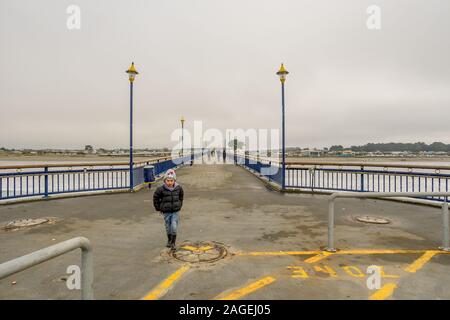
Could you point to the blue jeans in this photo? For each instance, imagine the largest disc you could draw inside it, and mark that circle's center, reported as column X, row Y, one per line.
column 171, row 221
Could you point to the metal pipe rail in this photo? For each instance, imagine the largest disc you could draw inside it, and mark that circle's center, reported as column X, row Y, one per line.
column 444, row 208
column 321, row 163
column 27, row 261
column 367, row 164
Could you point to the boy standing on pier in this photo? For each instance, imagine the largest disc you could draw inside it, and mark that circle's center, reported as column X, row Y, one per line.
column 168, row 199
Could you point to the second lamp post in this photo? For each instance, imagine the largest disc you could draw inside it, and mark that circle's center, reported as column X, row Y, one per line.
column 131, row 75
column 282, row 73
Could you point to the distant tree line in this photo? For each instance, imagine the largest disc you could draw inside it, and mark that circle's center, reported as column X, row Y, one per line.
column 394, row 146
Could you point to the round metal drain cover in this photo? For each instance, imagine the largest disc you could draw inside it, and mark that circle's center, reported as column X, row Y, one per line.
column 24, row 223
column 374, row 220
column 200, row 251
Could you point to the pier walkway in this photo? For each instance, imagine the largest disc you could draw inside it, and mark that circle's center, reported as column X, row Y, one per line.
column 273, row 244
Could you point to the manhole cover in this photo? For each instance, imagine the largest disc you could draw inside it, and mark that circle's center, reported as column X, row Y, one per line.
column 201, row 251
column 374, row 220
column 24, row 223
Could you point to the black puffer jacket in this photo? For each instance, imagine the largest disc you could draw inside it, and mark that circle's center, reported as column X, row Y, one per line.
column 165, row 200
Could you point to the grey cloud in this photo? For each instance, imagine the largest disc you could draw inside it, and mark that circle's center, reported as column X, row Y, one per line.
column 215, row 61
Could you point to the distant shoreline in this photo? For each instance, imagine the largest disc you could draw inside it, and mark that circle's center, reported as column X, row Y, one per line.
column 49, row 157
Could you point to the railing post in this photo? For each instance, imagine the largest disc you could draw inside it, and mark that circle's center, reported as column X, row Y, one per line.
column 330, row 247
column 445, row 222
column 87, row 274
column 46, row 182
column 312, row 178
column 270, row 166
column 362, row 179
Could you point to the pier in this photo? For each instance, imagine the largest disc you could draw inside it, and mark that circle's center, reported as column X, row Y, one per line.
column 256, row 243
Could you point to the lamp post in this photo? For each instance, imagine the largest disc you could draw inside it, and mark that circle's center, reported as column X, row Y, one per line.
column 182, row 120
column 131, row 75
column 282, row 73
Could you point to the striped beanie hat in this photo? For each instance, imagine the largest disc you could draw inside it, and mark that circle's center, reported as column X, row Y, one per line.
column 170, row 174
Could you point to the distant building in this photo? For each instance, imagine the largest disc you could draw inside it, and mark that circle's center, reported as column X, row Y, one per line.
column 311, row 153
column 346, row 153
column 88, row 149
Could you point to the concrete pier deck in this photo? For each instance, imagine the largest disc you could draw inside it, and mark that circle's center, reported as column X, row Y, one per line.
column 273, row 242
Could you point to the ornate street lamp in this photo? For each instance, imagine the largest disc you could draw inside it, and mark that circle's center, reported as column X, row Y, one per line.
column 282, row 73
column 132, row 72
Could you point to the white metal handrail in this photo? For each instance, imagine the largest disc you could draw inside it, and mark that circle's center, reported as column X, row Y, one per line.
column 27, row 261
column 445, row 214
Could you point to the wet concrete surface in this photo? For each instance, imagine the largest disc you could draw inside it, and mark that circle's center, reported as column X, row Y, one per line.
column 226, row 204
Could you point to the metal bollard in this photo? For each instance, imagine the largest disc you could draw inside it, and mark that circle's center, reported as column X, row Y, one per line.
column 445, row 222
column 330, row 247
column 45, row 182
column 87, row 273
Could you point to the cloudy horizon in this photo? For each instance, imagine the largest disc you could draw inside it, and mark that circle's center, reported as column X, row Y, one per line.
column 215, row 61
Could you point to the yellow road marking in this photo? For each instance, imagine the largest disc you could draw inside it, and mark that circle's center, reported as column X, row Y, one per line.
column 420, row 262
column 379, row 251
column 189, row 248
column 205, row 248
column 164, row 286
column 239, row 293
column 327, row 270
column 318, row 257
column 298, row 272
column 341, row 252
column 278, row 253
column 194, row 249
column 384, row 292
column 354, row 271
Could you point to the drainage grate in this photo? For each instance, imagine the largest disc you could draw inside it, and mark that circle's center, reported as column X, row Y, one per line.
column 200, row 251
column 25, row 223
column 373, row 220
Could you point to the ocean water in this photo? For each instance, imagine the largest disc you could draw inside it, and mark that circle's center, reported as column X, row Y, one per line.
column 390, row 180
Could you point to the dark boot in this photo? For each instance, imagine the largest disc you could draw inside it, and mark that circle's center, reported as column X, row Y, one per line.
column 169, row 241
column 172, row 243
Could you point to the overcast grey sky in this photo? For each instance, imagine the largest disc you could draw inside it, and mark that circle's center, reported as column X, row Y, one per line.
column 215, row 61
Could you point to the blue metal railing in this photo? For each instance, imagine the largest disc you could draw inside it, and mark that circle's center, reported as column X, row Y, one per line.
column 265, row 168
column 356, row 177
column 391, row 179
column 46, row 180
column 162, row 166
